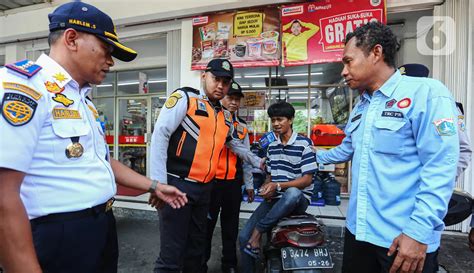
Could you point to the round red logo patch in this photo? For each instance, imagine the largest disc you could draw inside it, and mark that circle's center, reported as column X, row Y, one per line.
column 404, row 103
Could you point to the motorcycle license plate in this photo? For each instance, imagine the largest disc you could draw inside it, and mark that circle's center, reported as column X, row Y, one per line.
column 303, row 258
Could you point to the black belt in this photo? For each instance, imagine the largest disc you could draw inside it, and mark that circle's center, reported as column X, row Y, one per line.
column 65, row 216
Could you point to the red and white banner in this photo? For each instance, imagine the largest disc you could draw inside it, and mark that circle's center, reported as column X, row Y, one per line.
column 314, row 32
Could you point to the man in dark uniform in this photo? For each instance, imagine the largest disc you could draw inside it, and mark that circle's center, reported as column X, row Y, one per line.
column 189, row 135
column 55, row 168
column 226, row 192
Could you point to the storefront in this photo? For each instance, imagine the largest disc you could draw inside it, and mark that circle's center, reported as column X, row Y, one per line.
column 130, row 98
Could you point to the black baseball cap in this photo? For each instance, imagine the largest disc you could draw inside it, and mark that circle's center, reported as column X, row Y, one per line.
column 220, row 68
column 414, row 70
column 87, row 18
column 235, row 89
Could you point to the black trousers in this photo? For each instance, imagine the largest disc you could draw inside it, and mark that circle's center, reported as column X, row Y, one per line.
column 225, row 199
column 77, row 245
column 183, row 231
column 363, row 257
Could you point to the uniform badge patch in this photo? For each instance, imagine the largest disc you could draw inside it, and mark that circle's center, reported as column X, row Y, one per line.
column 226, row 65
column 53, row 87
column 22, row 88
column 445, row 127
column 63, row 113
column 461, row 124
column 228, row 116
column 25, row 67
column 172, row 100
column 18, row 109
column 392, row 114
column 404, row 103
column 63, row 100
column 60, row 77
column 240, row 128
column 390, row 103
column 201, row 106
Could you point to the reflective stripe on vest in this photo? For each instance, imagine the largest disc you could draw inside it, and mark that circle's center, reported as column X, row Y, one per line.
column 194, row 147
column 228, row 160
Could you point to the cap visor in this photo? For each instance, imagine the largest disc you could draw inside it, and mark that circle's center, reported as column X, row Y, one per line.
column 235, row 93
column 222, row 74
column 120, row 52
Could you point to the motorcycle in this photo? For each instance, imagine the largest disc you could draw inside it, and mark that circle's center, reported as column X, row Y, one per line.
column 297, row 245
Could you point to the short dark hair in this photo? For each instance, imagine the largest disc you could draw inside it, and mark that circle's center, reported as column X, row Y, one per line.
column 54, row 36
column 375, row 33
column 281, row 109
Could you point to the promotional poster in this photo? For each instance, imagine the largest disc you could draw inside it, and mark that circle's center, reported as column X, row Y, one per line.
column 246, row 39
column 314, row 32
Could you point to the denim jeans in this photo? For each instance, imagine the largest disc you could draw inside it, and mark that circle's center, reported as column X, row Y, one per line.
column 266, row 216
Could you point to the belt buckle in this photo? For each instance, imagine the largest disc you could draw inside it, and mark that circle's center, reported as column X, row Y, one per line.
column 109, row 204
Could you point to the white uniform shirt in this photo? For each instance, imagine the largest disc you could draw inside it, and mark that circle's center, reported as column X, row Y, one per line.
column 53, row 182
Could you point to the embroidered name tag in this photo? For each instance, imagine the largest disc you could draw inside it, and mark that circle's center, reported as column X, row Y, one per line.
column 62, row 113
column 392, row 114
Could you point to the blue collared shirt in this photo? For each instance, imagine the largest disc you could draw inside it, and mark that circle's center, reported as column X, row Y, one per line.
column 404, row 147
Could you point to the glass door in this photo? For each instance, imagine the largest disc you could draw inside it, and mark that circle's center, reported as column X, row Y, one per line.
column 135, row 123
column 132, row 129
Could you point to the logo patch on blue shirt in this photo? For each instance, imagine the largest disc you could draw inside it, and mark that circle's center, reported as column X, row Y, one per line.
column 392, row 114
column 445, row 127
column 390, row 103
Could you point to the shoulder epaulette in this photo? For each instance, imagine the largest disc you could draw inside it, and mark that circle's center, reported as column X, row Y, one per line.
column 187, row 89
column 25, row 67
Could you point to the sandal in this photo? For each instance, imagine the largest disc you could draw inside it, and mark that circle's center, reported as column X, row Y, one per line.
column 253, row 252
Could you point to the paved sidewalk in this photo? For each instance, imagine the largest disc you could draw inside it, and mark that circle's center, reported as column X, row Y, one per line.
column 139, row 244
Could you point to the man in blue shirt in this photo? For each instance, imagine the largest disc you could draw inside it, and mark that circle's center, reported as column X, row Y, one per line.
column 287, row 190
column 403, row 143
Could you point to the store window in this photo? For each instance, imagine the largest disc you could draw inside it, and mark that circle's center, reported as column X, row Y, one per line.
column 106, row 88
column 141, row 82
column 321, row 100
column 316, row 92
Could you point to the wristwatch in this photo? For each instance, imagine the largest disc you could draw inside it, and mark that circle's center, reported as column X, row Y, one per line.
column 153, row 185
column 278, row 187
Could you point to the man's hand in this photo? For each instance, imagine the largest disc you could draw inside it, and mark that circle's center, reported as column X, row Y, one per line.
column 171, row 196
column 251, row 195
column 268, row 190
column 471, row 239
column 410, row 255
column 155, row 202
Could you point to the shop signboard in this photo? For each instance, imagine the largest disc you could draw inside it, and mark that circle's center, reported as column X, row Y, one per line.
column 245, row 38
column 131, row 139
column 254, row 99
column 314, row 32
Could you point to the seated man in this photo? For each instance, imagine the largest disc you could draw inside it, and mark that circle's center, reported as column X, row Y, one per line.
column 287, row 190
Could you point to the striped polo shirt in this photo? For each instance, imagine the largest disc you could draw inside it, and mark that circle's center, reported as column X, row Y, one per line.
column 293, row 160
